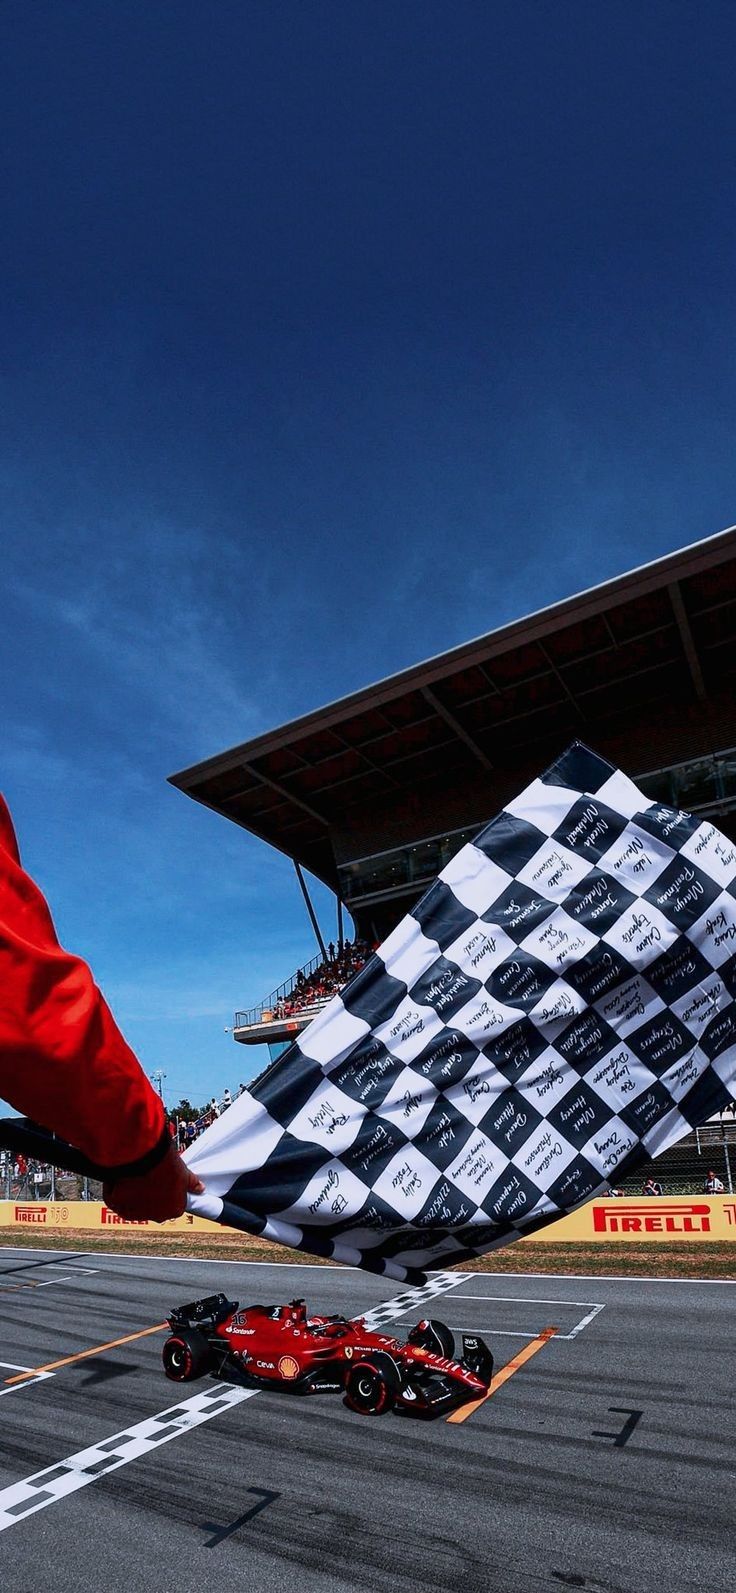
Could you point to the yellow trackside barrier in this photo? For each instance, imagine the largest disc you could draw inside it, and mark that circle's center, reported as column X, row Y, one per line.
column 659, row 1219
column 656, row 1218
column 38, row 1214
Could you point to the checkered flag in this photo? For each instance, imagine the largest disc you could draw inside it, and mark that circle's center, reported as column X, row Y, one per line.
column 558, row 1008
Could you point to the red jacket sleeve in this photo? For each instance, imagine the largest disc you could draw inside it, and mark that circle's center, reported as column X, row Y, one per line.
column 63, row 1060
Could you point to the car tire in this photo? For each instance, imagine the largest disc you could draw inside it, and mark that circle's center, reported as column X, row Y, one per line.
column 186, row 1356
column 372, row 1384
column 433, row 1336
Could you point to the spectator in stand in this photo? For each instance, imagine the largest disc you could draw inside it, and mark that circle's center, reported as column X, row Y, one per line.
column 325, row 980
column 712, row 1185
column 64, row 1062
column 226, row 1101
column 651, row 1187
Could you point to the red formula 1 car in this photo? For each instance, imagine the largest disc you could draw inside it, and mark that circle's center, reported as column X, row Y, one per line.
column 266, row 1346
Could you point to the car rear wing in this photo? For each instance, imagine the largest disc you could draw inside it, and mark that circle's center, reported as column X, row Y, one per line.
column 200, row 1313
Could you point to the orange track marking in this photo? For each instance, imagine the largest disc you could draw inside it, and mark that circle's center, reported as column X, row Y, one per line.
column 83, row 1355
column 505, row 1373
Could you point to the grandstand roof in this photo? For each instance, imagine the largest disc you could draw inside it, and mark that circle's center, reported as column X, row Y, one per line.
column 664, row 633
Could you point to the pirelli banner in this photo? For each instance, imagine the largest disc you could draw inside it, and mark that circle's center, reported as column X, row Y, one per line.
column 86, row 1214
column 657, row 1219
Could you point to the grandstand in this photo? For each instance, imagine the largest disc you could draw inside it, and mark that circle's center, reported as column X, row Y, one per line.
column 374, row 793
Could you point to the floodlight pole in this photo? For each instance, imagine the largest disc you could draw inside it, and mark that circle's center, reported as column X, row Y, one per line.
column 310, row 909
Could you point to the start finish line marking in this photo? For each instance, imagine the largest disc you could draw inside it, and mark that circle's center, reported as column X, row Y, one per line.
column 55, row 1482
column 77, row 1471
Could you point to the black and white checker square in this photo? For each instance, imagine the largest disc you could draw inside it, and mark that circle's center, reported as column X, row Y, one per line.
column 554, row 871
column 580, row 1114
column 445, row 1133
column 510, row 1121
column 478, row 950
column 520, row 981
column 479, row 1168
column 367, row 1074
column 678, row 970
column 714, row 931
column 446, row 1060
column 483, row 1018
column 409, row 1030
column 682, row 893
column 474, row 881
column 712, row 853
column 334, row 1191
column 590, row 827
column 545, row 1156
column 446, row 987
column 620, row 1077
column 545, row 1081
column 559, row 941
column 584, row 1041
column 667, row 824
column 636, row 859
column 407, row 1182
column 631, row 1003
column 408, row 1103
column 598, row 901
column 514, row 1050
column 515, row 913
column 329, row 1118
column 376, row 1144
column 642, row 933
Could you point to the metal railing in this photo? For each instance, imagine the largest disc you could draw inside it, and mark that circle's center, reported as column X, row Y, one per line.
column 243, row 1020
column 270, row 1015
column 45, row 1183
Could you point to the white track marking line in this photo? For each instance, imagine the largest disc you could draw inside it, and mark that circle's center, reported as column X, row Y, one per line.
column 22, row 1499
column 527, row 1299
column 523, row 1299
column 583, row 1323
column 69, row 1278
column 34, row 1493
column 24, row 1284
column 12, row 1366
column 516, row 1333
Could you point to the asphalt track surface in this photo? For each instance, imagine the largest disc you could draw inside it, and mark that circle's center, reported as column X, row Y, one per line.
column 606, row 1461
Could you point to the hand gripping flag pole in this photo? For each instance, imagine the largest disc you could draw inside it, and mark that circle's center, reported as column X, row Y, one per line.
column 556, row 1010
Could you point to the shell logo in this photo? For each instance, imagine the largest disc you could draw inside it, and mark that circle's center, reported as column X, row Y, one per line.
column 288, row 1367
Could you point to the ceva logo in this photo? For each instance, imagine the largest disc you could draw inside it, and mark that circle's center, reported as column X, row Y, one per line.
column 32, row 1213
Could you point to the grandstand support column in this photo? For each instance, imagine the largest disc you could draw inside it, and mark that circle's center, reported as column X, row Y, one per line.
column 310, row 909
column 340, row 935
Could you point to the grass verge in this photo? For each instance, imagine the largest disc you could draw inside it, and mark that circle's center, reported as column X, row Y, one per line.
column 625, row 1259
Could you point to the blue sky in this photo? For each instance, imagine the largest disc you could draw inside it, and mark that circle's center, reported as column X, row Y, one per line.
column 332, row 335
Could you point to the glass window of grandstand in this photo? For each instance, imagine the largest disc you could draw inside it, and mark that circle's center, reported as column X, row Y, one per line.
column 697, row 784
column 405, row 865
